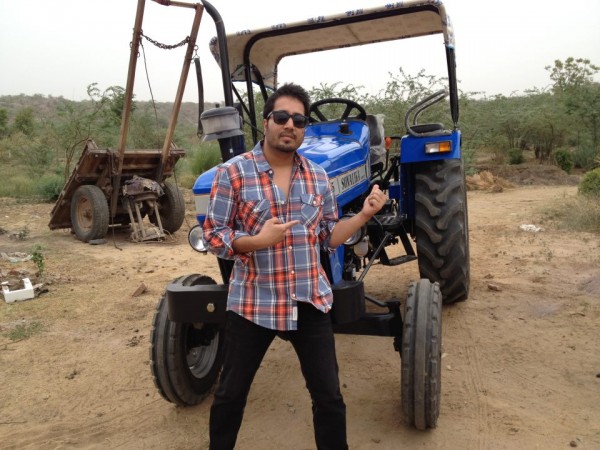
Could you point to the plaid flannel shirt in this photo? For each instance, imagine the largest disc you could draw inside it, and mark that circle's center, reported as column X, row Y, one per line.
column 266, row 284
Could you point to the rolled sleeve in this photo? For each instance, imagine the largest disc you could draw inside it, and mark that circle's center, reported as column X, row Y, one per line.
column 218, row 232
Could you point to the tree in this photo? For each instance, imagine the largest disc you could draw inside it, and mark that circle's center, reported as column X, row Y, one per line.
column 572, row 73
column 3, row 122
column 23, row 121
column 574, row 84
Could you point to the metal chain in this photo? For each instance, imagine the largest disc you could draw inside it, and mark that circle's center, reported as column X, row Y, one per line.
column 165, row 46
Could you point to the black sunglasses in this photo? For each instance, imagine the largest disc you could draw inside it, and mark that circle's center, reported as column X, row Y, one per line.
column 281, row 118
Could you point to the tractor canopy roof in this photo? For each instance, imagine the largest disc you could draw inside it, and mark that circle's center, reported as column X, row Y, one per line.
column 255, row 53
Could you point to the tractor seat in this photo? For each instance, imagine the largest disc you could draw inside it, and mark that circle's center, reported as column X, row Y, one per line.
column 377, row 141
column 427, row 127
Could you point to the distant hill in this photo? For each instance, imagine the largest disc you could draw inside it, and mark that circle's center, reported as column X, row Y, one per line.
column 46, row 107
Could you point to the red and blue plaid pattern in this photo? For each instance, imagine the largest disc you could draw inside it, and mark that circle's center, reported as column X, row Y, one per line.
column 266, row 284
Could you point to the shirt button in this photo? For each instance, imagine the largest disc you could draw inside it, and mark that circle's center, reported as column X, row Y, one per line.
column 293, row 272
column 293, row 295
column 315, row 203
column 290, row 247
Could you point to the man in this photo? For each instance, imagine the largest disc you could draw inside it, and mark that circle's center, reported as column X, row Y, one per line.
column 271, row 210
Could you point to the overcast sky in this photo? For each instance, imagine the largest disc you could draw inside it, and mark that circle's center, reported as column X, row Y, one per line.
column 59, row 47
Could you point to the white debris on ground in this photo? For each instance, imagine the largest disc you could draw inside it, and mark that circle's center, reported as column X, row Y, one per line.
column 25, row 293
column 17, row 284
column 531, row 228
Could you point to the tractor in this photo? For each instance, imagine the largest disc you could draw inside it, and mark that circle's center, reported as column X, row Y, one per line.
column 425, row 217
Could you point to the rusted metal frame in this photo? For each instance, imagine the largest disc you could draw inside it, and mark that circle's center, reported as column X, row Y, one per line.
column 175, row 3
column 135, row 44
column 180, row 89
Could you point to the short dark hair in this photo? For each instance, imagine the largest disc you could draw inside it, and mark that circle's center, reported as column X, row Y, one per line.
column 287, row 90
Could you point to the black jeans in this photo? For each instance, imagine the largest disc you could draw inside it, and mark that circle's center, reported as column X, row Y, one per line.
column 245, row 346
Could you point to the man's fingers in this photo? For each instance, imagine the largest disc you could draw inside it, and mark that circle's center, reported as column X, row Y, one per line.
column 291, row 224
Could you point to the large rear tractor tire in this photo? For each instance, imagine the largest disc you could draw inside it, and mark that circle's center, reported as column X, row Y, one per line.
column 185, row 358
column 421, row 354
column 89, row 213
column 171, row 208
column 441, row 227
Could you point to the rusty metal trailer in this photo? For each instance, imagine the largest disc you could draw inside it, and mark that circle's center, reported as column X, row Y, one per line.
column 120, row 187
column 83, row 204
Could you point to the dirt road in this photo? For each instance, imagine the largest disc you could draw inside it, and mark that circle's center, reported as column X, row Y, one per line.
column 521, row 357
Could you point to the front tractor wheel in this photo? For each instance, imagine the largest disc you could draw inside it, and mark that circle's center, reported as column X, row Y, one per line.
column 441, row 227
column 185, row 358
column 421, row 354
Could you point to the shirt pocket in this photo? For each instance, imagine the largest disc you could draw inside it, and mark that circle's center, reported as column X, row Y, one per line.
column 311, row 209
column 253, row 212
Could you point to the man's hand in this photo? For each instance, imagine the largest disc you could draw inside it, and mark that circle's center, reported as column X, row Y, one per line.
column 272, row 232
column 345, row 228
column 374, row 202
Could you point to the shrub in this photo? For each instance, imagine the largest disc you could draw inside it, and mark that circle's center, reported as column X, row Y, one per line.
column 468, row 154
column 49, row 186
column 18, row 185
column 564, row 159
column 37, row 256
column 590, row 184
column 515, row 156
column 584, row 156
column 204, row 158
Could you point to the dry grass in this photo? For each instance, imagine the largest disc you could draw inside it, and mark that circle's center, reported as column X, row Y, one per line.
column 579, row 213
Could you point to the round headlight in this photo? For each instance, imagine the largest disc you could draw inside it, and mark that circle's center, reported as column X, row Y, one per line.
column 195, row 239
column 358, row 234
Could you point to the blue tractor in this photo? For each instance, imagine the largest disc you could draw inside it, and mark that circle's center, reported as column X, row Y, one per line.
column 425, row 217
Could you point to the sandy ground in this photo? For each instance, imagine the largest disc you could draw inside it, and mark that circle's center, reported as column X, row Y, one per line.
column 521, row 359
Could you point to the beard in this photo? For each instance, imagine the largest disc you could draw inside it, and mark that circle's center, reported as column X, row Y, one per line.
column 279, row 142
column 286, row 148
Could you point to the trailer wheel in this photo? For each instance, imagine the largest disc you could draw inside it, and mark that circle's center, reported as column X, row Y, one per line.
column 441, row 227
column 421, row 354
column 185, row 358
column 89, row 213
column 171, row 208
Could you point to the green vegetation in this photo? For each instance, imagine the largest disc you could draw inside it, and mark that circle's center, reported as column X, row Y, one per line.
column 581, row 213
column 515, row 156
column 38, row 258
column 24, row 331
column 590, row 185
column 41, row 138
column 564, row 159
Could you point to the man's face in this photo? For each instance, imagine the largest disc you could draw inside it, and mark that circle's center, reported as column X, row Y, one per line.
column 284, row 138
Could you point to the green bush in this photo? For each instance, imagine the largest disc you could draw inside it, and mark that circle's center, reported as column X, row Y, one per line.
column 19, row 185
column 468, row 154
column 564, row 159
column 204, row 158
column 590, row 184
column 584, row 156
column 49, row 186
column 515, row 156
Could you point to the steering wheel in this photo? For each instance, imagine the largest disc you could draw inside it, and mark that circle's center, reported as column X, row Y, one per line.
column 350, row 106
